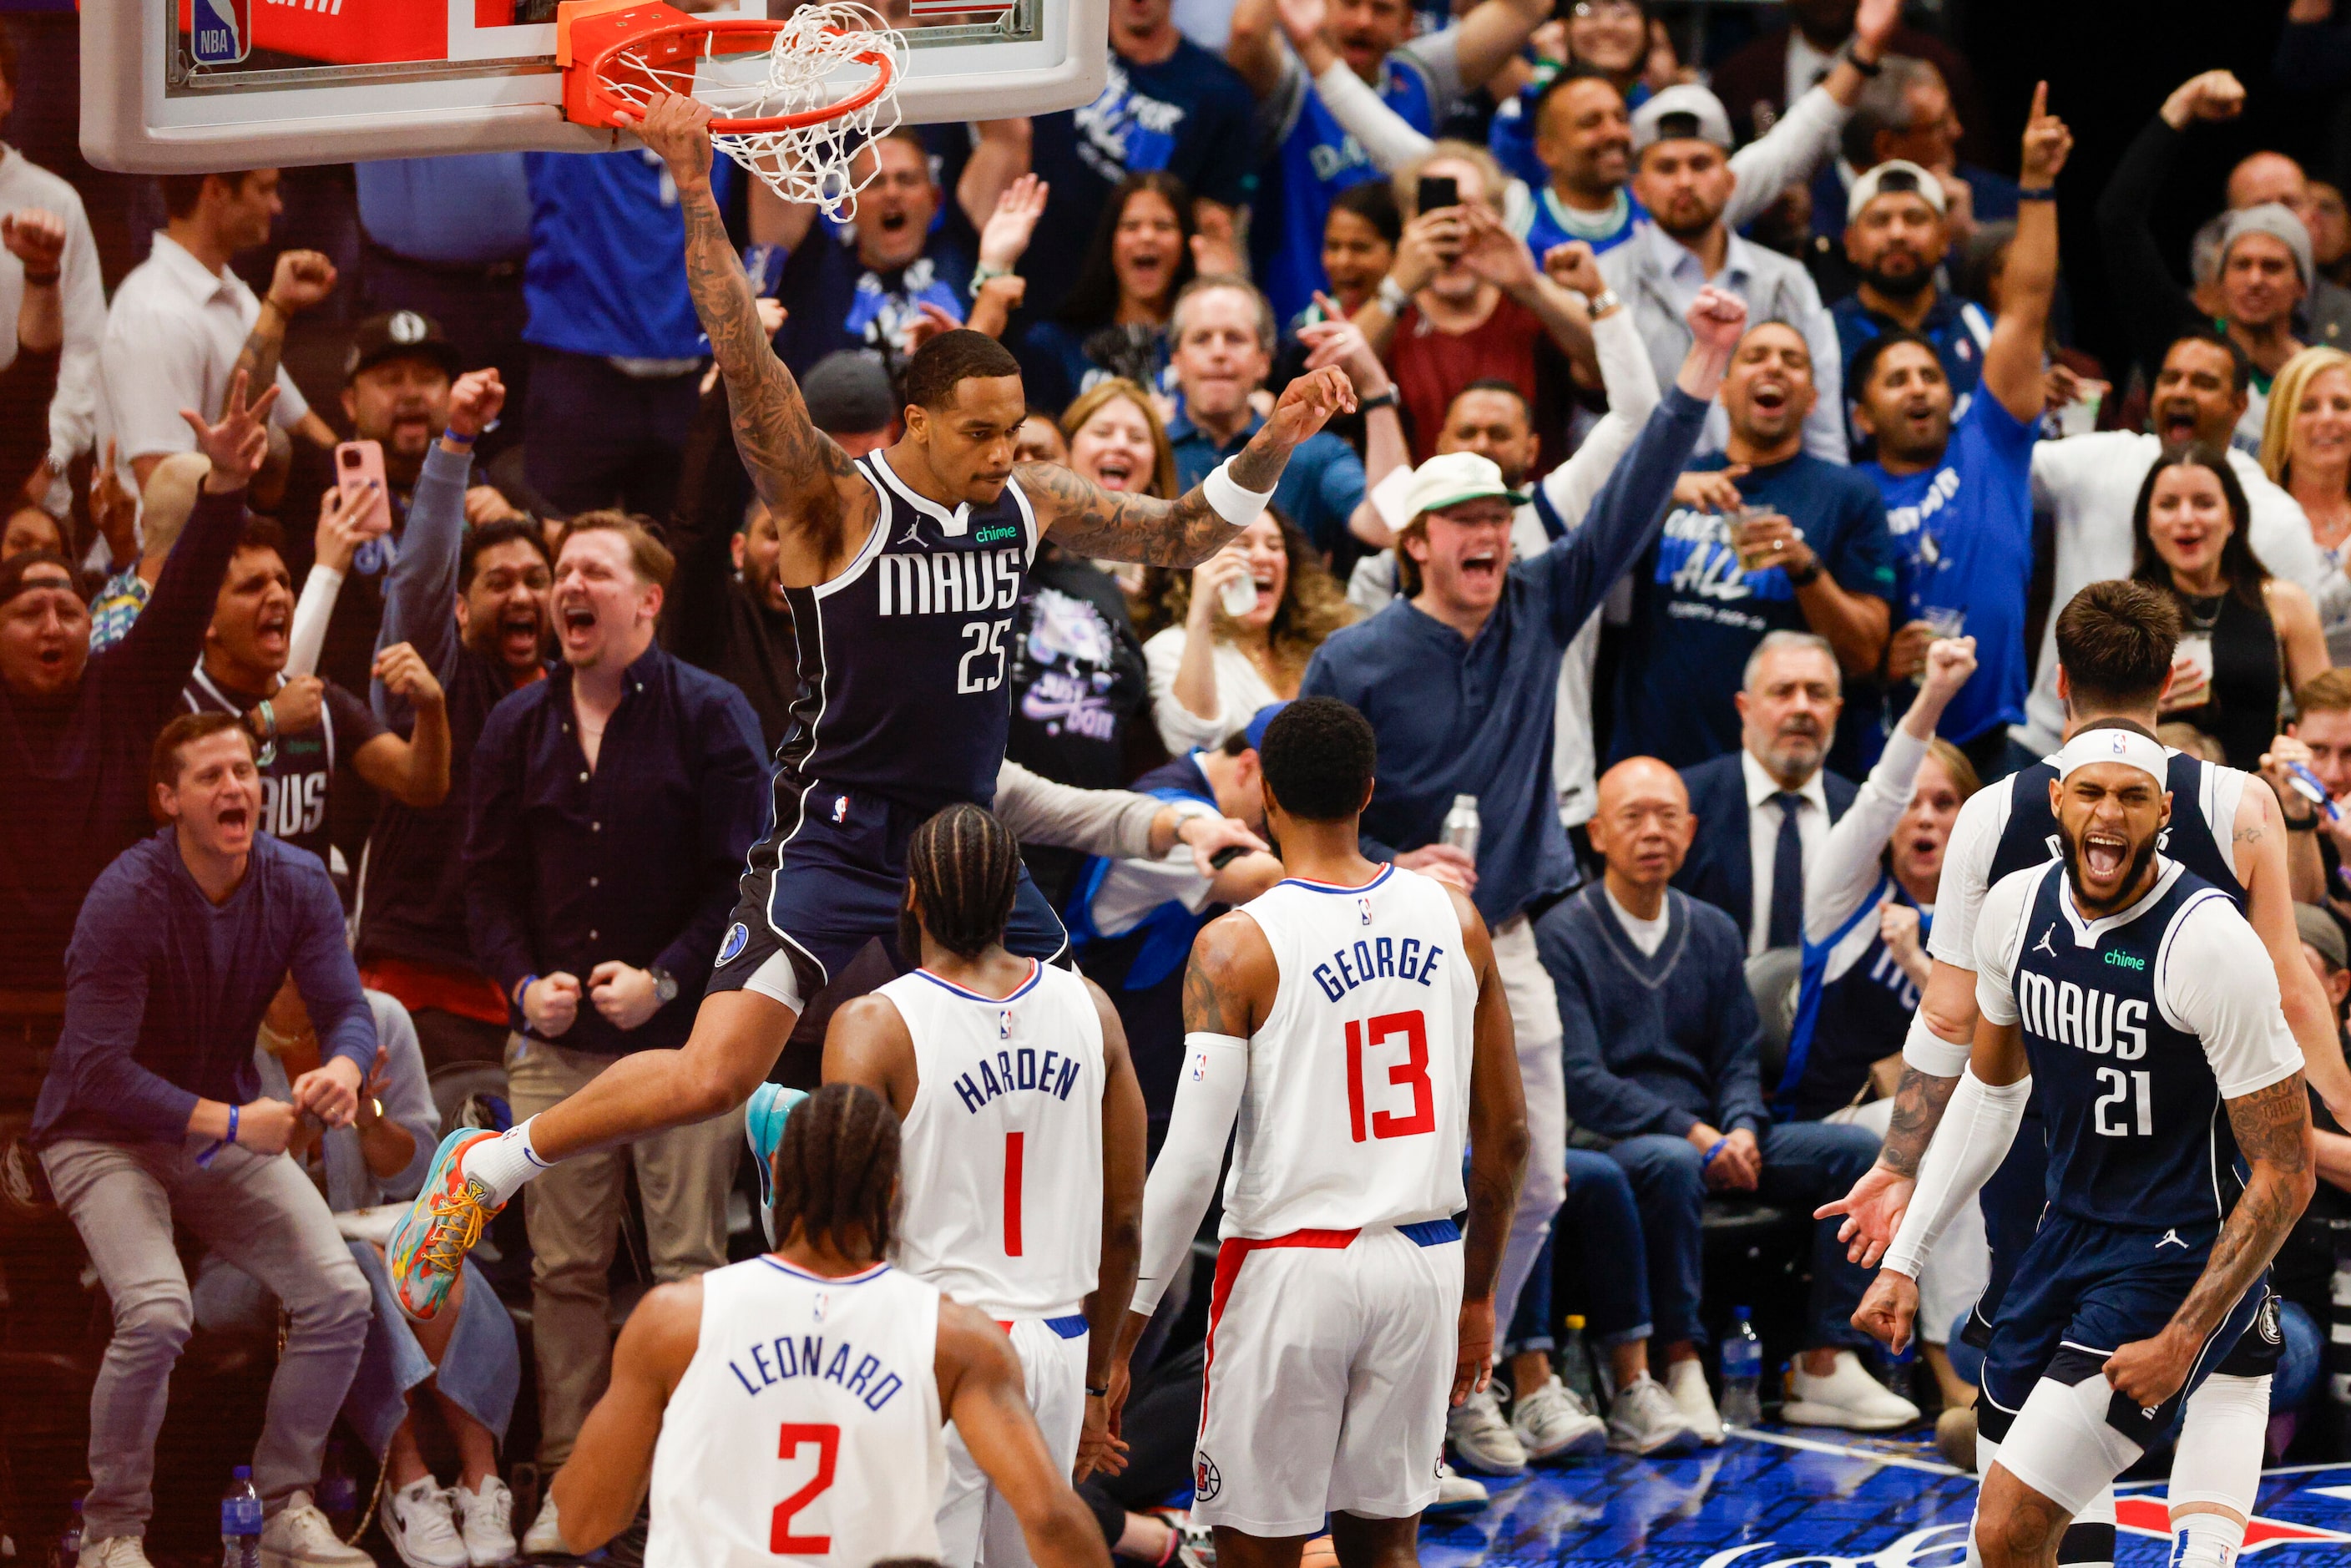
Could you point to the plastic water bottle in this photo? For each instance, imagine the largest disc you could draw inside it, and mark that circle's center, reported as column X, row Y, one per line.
column 1743, row 1372
column 1460, row 829
column 241, row 1521
column 69, row 1543
column 1575, row 1364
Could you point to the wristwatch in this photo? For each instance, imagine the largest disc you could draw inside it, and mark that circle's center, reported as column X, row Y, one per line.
column 1871, row 69
column 1807, row 577
column 1392, row 297
column 1600, row 304
column 1391, row 398
column 664, row 983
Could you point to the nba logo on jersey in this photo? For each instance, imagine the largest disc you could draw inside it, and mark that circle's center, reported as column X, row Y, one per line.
column 817, row 1306
column 1364, row 906
column 839, row 809
column 220, row 32
column 1003, row 1023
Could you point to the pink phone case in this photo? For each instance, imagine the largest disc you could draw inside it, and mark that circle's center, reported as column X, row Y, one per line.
column 356, row 464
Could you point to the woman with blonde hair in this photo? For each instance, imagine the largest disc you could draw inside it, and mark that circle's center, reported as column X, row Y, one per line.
column 1217, row 663
column 2306, row 451
column 1118, row 440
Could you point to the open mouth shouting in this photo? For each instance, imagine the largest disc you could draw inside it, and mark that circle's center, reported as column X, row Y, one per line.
column 271, row 626
column 518, row 632
column 2104, row 856
column 1116, row 471
column 1769, row 396
column 2175, row 420
column 1482, row 566
column 576, row 622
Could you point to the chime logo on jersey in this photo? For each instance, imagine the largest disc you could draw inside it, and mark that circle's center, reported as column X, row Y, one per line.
column 220, row 32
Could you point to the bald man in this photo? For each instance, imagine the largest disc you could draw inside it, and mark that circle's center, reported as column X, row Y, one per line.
column 2261, row 177
column 1660, row 1038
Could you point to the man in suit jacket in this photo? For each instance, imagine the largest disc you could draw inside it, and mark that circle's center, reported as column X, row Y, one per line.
column 1760, row 75
column 1764, row 811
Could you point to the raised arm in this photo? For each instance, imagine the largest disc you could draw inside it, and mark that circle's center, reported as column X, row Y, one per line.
column 1492, row 35
column 2148, row 300
column 2012, row 367
column 1089, row 520
column 1253, row 47
column 1498, row 1151
column 2258, row 845
column 823, row 508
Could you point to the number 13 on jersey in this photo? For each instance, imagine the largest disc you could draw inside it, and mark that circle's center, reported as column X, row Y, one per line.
column 1387, row 1032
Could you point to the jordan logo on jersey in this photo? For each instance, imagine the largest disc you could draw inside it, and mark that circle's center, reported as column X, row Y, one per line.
column 785, row 1357
column 1052, row 1074
column 952, row 582
column 2043, row 946
column 1379, row 958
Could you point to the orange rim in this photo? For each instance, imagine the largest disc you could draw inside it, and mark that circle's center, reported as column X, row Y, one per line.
column 691, row 40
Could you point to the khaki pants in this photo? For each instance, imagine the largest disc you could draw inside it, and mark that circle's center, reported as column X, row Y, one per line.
column 573, row 1214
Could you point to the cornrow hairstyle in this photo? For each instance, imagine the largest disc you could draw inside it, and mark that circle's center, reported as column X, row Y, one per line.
column 836, row 1171
column 965, row 867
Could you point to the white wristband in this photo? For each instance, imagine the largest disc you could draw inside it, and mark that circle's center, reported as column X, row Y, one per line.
column 1929, row 1052
column 1228, row 500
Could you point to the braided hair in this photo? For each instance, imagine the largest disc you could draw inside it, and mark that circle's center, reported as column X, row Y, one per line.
column 965, row 867
column 837, row 1169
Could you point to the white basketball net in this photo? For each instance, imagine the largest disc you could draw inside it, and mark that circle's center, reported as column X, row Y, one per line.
column 810, row 164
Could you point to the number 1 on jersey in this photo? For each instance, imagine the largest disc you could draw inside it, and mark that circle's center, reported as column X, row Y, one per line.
column 780, row 1538
column 1412, row 1070
column 1012, row 1153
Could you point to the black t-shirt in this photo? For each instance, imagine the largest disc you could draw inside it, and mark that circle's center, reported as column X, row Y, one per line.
column 299, row 775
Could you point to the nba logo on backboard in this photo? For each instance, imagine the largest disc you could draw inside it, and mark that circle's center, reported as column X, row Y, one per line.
column 220, row 32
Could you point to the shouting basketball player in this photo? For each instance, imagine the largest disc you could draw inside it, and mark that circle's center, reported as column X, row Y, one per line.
column 1023, row 1137
column 1352, row 1019
column 791, row 1407
column 903, row 569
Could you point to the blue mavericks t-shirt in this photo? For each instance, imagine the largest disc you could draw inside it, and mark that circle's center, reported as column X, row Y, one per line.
column 1962, row 538
column 1191, row 114
column 1696, row 616
column 1554, row 223
column 603, row 277
column 1316, row 161
column 837, row 302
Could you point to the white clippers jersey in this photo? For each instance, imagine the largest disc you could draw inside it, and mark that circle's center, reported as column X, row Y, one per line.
column 1357, row 1107
column 807, row 1427
column 1002, row 1149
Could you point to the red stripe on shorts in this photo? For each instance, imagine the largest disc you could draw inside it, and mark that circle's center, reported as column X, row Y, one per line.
column 1229, row 1268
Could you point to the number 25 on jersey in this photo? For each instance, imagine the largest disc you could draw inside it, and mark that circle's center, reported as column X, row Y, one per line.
column 1383, row 1036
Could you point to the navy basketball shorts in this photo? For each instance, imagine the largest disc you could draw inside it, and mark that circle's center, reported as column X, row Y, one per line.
column 835, row 882
column 2080, row 1293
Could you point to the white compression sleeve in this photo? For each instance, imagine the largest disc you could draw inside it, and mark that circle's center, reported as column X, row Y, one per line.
column 1184, row 1177
column 1229, row 498
column 1929, row 1052
column 1387, row 139
column 2218, row 1464
column 1977, row 1129
column 311, row 613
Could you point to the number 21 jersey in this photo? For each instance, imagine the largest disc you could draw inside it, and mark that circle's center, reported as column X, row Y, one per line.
column 1357, row 1105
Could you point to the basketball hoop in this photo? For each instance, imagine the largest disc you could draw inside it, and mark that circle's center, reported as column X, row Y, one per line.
column 779, row 110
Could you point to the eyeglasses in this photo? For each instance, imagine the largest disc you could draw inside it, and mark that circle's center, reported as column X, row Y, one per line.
column 1612, row 10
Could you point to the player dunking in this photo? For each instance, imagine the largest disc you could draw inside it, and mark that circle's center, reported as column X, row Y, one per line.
column 791, row 1407
column 2130, row 998
column 903, row 569
column 2115, row 643
column 1022, row 1144
column 1352, row 1019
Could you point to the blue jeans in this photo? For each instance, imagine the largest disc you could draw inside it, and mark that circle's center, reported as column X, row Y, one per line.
column 1806, row 1163
column 1605, row 1272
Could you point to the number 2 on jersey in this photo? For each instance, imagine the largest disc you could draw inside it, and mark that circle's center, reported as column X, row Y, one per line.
column 796, row 1435
column 1412, row 1071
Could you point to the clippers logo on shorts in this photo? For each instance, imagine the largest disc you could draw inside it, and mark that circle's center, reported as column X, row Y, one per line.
column 220, row 31
column 1206, row 1480
column 739, row 936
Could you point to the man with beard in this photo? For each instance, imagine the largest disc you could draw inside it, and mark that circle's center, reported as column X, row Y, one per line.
column 1895, row 238
column 2144, row 1272
column 2087, row 483
column 1958, row 486
column 411, row 935
column 1682, row 176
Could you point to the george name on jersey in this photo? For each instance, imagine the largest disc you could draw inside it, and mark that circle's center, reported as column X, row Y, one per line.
column 949, row 582
column 2084, row 1017
column 1015, row 1069
column 784, row 1358
column 1377, row 959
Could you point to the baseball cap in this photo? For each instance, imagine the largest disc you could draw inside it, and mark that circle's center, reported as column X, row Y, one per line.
column 1453, row 477
column 2276, row 220
column 848, row 393
column 1681, row 113
column 400, row 334
column 1255, row 733
column 2320, row 932
column 1893, row 174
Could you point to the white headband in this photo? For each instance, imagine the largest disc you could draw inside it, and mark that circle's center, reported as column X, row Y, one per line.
column 2123, row 746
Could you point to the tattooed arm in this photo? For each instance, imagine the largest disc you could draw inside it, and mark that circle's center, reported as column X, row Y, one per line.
column 1093, row 521
column 823, row 508
column 1498, row 1151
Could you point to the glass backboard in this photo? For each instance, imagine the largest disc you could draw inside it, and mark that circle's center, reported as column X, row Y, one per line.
column 186, row 86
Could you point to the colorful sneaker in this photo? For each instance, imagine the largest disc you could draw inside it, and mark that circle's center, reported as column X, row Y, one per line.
column 763, row 1126
column 429, row 1245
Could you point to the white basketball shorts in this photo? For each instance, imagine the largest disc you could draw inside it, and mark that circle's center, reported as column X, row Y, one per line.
column 976, row 1525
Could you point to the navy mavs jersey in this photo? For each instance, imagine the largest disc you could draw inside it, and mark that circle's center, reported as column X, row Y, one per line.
column 901, row 655
column 2137, row 1140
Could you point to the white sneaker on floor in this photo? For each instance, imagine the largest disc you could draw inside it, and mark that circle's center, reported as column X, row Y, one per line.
column 1644, row 1420
column 1481, row 1439
column 1847, row 1397
column 1456, row 1493
column 545, row 1537
column 300, row 1537
column 487, row 1520
column 114, row 1551
column 1685, row 1381
column 418, row 1523
column 1551, row 1423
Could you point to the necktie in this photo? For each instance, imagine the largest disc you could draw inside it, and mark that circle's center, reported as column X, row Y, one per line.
column 1787, row 876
